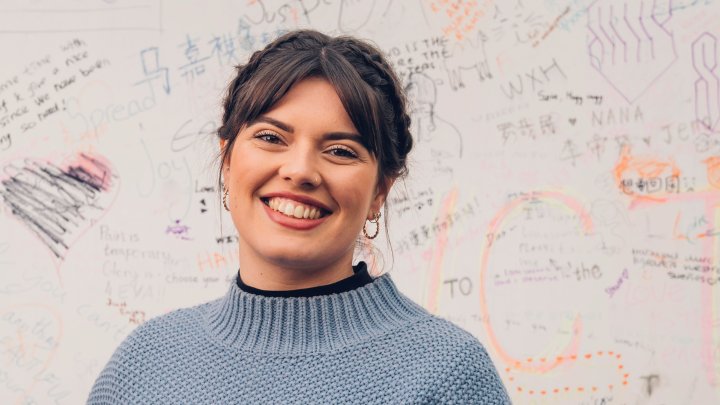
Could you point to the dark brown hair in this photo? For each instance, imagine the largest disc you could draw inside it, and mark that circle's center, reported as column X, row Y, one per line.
column 366, row 84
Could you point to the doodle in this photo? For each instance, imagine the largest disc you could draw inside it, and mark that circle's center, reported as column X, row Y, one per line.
column 354, row 14
column 650, row 172
column 629, row 45
column 439, row 141
column 613, row 289
column 467, row 55
column 5, row 142
column 58, row 204
column 30, row 341
column 435, row 256
column 172, row 176
column 707, row 87
column 185, row 138
column 525, row 25
column 622, row 378
column 178, row 230
column 651, row 383
column 496, row 227
column 713, row 171
column 552, row 26
column 463, row 17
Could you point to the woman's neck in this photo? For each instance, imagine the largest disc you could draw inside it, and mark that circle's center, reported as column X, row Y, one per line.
column 291, row 275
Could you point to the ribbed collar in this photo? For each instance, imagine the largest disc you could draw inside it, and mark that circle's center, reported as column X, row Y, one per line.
column 303, row 325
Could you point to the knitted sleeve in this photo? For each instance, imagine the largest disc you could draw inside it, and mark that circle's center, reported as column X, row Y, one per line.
column 473, row 379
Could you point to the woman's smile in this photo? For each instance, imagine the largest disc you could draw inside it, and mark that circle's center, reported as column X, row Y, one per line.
column 295, row 212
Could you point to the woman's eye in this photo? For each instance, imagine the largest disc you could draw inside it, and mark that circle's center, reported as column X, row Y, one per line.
column 342, row 151
column 269, row 137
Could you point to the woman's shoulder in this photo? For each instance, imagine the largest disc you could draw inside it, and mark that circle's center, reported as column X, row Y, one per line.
column 455, row 361
column 177, row 324
column 445, row 332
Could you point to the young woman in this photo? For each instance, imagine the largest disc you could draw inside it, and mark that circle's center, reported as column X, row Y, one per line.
column 314, row 133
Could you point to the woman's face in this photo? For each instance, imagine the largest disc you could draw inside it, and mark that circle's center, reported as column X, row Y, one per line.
column 301, row 184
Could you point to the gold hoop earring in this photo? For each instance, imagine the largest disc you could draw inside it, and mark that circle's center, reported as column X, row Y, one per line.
column 375, row 220
column 225, row 194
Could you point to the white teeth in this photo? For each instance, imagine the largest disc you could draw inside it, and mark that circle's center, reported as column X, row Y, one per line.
column 299, row 211
column 293, row 208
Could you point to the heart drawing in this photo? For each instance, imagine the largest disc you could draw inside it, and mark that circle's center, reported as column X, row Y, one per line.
column 59, row 203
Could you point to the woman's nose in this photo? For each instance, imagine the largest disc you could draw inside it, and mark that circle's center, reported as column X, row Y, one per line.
column 300, row 167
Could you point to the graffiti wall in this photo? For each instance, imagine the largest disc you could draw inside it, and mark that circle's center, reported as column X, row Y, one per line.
column 563, row 202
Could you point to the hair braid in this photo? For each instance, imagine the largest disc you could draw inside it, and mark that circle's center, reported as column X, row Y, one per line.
column 389, row 83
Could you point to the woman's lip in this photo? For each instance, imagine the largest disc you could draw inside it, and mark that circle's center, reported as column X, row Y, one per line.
column 299, row 198
column 290, row 222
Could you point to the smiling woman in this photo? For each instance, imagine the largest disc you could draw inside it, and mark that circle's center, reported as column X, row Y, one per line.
column 300, row 175
column 315, row 132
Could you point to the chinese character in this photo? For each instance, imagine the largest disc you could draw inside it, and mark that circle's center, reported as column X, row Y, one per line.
column 150, row 59
column 195, row 66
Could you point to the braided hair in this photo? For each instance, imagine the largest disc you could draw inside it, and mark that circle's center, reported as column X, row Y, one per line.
column 366, row 84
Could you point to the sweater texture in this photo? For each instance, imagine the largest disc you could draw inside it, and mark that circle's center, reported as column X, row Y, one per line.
column 369, row 345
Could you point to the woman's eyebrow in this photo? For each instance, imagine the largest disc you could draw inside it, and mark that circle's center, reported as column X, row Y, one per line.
column 272, row 121
column 331, row 136
column 339, row 136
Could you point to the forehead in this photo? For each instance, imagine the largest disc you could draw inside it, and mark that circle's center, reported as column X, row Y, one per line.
column 312, row 103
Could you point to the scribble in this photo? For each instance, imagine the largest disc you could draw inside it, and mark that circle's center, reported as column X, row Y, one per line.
column 354, row 14
column 713, row 171
column 613, row 289
column 707, row 87
column 440, row 141
column 463, row 18
column 642, row 177
column 651, row 383
column 523, row 23
column 135, row 316
column 178, row 230
column 630, row 45
column 5, row 142
column 55, row 203
column 468, row 55
column 599, row 356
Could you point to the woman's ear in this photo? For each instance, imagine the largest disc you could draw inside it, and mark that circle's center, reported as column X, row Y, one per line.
column 223, row 162
column 381, row 192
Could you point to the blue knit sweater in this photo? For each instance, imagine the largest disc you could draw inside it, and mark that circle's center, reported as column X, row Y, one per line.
column 370, row 345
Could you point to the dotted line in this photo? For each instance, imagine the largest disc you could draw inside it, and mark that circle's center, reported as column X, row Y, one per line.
column 567, row 389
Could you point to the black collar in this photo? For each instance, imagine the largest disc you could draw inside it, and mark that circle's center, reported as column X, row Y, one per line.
column 358, row 279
